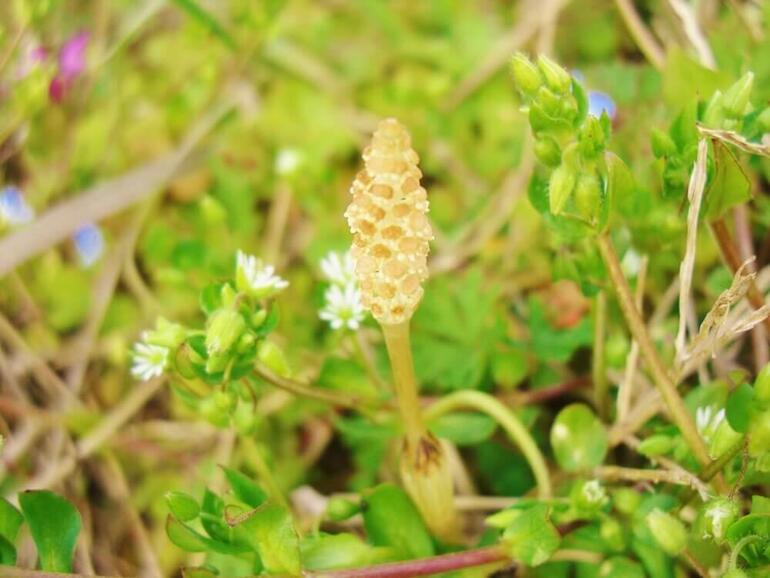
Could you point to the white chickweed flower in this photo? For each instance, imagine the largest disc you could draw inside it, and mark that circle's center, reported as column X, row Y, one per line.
column 149, row 361
column 594, row 492
column 707, row 420
column 339, row 268
column 343, row 307
column 257, row 278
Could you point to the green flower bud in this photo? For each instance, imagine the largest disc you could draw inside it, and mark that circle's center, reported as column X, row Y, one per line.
column 555, row 76
column 258, row 318
column 717, row 515
column 166, row 333
column 212, row 210
column 763, row 120
column 588, row 195
column 560, row 188
column 225, row 400
column 669, row 532
column 656, row 445
column 245, row 419
column 550, row 102
column 341, row 509
column 723, row 439
column 525, row 75
column 714, row 114
column 184, row 360
column 736, row 98
column 548, row 151
column 662, row 144
column 759, row 434
column 272, row 356
column 592, row 138
column 762, row 384
column 626, row 500
column 245, row 343
column 212, row 413
column 612, row 533
column 228, row 295
column 225, row 328
column 589, row 495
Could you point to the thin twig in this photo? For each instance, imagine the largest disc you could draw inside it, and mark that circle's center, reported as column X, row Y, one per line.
column 661, row 377
column 641, row 34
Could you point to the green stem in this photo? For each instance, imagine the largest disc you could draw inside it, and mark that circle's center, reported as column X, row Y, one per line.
column 745, row 541
column 516, row 431
column 404, row 382
column 598, row 361
column 660, row 375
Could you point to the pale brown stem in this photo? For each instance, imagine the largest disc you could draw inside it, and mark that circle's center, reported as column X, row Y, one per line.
column 733, row 259
column 660, row 375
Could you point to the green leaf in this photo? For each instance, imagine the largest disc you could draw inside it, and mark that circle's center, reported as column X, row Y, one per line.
column 531, row 538
column 685, row 79
column 211, row 298
column 345, row 375
column 189, row 540
column 10, row 521
column 509, row 367
column 270, row 530
column 183, row 506
column 579, row 440
column 203, row 17
column 328, row 552
column 244, row 488
column 54, row 524
column 464, row 428
column 550, row 343
column 198, row 572
column 729, row 186
column 7, row 552
column 391, row 519
column 738, row 408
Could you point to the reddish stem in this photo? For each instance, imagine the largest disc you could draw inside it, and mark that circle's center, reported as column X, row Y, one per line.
column 421, row 567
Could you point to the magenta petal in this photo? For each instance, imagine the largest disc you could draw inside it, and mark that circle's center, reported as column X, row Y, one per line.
column 72, row 56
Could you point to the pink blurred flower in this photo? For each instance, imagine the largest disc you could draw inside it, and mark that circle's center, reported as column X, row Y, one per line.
column 72, row 62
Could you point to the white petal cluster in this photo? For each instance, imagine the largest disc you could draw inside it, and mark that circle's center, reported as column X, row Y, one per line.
column 594, row 493
column 717, row 514
column 257, row 278
column 343, row 307
column 707, row 420
column 149, row 360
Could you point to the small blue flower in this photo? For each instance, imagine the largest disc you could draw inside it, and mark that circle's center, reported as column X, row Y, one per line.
column 599, row 102
column 14, row 210
column 89, row 244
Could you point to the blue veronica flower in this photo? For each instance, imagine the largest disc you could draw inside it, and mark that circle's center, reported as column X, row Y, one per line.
column 599, row 102
column 89, row 244
column 14, row 210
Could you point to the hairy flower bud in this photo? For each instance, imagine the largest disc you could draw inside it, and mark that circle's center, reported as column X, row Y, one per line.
column 736, row 98
column 525, row 74
column 668, row 531
column 390, row 227
column 556, row 77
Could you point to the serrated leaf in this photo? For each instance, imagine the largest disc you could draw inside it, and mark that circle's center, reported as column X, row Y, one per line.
column 54, row 524
column 270, row 530
column 531, row 538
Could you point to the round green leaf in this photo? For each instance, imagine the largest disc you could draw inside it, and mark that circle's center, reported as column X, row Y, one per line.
column 578, row 438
